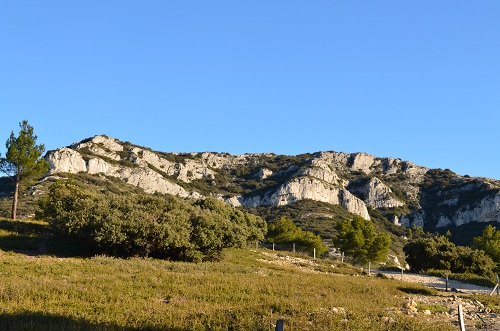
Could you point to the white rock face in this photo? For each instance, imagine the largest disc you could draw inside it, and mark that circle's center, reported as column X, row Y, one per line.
column 318, row 182
column 319, row 178
column 99, row 166
column 106, row 143
column 187, row 172
column 414, row 219
column 301, row 188
column 151, row 181
column 66, row 160
column 71, row 161
column 354, row 205
column 305, row 187
column 264, row 173
column 103, row 146
column 144, row 157
column 363, row 162
column 369, row 163
column 378, row 195
column 487, row 210
column 323, row 173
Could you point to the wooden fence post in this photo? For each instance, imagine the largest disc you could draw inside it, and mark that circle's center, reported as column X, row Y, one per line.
column 401, row 274
column 461, row 318
column 342, row 257
column 273, row 246
column 315, row 253
column 369, row 268
column 294, row 247
column 446, row 282
column 280, row 325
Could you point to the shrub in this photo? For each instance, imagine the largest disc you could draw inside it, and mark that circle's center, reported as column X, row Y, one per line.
column 439, row 253
column 489, row 242
column 148, row 225
column 284, row 231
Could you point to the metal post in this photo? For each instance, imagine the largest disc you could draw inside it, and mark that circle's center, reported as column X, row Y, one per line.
column 461, row 318
column 496, row 287
column 315, row 253
column 294, row 247
column 273, row 246
column 342, row 257
column 498, row 282
column 280, row 325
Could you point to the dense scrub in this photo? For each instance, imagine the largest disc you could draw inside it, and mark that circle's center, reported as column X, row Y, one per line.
column 437, row 252
column 148, row 225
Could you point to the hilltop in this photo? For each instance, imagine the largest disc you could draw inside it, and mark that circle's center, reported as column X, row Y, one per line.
column 317, row 188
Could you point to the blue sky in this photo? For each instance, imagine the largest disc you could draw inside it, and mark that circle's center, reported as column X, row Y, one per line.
column 416, row 80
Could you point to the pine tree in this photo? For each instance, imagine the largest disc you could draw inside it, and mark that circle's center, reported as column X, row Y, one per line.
column 23, row 159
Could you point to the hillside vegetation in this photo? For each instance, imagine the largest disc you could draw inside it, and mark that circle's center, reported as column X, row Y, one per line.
column 148, row 224
column 45, row 287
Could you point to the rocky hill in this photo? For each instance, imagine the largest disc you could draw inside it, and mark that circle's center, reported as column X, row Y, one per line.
column 399, row 191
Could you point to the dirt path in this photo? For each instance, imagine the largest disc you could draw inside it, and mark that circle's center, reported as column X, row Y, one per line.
column 438, row 283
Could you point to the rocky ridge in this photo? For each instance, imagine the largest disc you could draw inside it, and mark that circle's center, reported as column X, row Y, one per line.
column 405, row 193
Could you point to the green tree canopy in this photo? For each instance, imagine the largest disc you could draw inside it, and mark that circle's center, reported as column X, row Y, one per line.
column 284, row 231
column 357, row 238
column 489, row 242
column 148, row 225
column 437, row 252
column 23, row 159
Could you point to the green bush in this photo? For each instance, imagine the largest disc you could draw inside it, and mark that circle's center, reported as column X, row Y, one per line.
column 148, row 225
column 284, row 231
column 489, row 242
column 437, row 252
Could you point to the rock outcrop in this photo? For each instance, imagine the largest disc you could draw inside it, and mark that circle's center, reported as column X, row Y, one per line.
column 402, row 191
column 485, row 210
column 68, row 160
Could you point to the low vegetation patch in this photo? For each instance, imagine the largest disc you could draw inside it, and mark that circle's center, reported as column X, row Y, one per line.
column 43, row 291
column 416, row 289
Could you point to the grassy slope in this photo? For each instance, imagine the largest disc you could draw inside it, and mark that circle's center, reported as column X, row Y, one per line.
column 44, row 289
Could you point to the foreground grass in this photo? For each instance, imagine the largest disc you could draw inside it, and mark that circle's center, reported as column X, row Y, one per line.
column 245, row 291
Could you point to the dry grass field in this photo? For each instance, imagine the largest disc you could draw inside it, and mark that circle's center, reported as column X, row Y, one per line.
column 44, row 287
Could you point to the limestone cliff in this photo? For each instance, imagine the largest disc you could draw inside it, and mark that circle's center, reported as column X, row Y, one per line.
column 403, row 192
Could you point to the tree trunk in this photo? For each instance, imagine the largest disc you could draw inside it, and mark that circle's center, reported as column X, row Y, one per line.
column 16, row 195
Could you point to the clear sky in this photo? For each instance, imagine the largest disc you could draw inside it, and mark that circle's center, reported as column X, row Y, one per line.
column 416, row 80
